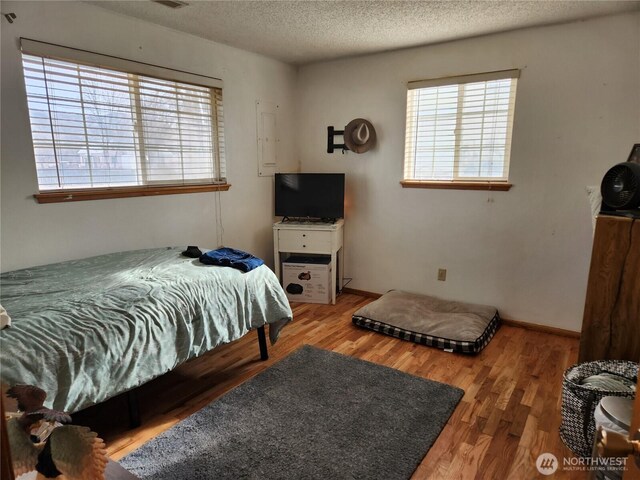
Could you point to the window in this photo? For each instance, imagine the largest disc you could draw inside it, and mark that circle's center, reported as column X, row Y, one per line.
column 95, row 127
column 458, row 131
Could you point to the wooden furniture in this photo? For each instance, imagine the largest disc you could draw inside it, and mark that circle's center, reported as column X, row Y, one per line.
column 633, row 461
column 311, row 238
column 6, row 467
column 611, row 323
column 621, row 446
column 114, row 471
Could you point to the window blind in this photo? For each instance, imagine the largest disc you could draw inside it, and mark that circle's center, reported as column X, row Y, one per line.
column 459, row 129
column 97, row 127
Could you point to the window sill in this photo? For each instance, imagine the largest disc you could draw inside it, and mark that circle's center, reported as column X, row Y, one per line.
column 496, row 186
column 61, row 196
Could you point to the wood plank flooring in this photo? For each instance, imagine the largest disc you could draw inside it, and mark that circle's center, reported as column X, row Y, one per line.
column 510, row 412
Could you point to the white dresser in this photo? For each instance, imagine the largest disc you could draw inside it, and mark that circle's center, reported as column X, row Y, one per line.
column 311, row 238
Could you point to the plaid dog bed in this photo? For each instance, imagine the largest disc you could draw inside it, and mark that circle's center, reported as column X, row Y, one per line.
column 453, row 326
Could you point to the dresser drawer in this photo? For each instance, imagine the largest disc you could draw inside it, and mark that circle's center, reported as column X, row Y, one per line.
column 299, row 241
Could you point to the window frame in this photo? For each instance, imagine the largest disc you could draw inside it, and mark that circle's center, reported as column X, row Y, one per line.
column 461, row 183
column 152, row 188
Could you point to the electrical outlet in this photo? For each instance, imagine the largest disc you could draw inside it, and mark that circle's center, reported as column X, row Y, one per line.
column 442, row 274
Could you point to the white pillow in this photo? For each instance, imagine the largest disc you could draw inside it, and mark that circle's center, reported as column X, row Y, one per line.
column 595, row 200
column 5, row 319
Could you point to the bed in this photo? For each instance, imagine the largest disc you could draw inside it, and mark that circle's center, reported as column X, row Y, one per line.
column 87, row 330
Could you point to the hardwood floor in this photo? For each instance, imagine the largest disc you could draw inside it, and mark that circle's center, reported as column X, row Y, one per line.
column 510, row 412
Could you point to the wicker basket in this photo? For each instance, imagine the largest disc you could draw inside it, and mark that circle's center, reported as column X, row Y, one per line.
column 579, row 402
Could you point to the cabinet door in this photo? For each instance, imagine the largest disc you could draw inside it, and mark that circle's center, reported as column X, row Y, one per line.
column 6, row 467
column 633, row 466
column 625, row 317
column 611, row 246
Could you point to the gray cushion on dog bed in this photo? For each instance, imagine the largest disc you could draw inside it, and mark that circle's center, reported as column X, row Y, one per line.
column 457, row 326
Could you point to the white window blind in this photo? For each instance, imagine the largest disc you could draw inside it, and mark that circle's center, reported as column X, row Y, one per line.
column 96, row 127
column 459, row 128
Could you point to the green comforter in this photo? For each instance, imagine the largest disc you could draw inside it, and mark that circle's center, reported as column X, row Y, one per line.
column 89, row 329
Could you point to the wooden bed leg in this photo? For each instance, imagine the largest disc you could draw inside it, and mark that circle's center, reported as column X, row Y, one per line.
column 134, row 409
column 262, row 342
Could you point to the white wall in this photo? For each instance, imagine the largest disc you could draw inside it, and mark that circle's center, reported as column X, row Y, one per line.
column 526, row 251
column 33, row 234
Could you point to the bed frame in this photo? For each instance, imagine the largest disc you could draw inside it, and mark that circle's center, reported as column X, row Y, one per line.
column 132, row 395
column 157, row 268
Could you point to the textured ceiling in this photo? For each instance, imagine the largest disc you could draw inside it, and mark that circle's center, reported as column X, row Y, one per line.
column 307, row 31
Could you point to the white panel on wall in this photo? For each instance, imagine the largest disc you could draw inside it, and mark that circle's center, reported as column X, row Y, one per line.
column 267, row 126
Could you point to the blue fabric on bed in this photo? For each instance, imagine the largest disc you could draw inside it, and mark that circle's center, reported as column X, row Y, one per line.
column 230, row 257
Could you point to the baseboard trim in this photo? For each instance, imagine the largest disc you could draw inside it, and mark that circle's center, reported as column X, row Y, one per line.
column 362, row 293
column 536, row 327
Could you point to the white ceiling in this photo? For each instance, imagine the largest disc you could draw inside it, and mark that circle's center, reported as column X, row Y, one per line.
column 307, row 31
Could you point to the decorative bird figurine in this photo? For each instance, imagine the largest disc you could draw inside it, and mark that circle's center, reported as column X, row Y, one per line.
column 70, row 452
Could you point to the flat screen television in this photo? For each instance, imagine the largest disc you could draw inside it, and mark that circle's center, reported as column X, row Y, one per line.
column 314, row 195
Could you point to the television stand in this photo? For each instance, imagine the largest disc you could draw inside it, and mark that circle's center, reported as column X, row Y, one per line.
column 318, row 238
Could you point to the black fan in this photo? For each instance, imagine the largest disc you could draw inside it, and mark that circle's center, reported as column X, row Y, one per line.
column 620, row 187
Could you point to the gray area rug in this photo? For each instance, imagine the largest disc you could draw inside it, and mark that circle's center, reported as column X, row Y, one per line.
column 315, row 414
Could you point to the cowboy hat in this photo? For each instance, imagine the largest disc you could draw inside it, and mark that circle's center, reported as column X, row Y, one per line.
column 359, row 135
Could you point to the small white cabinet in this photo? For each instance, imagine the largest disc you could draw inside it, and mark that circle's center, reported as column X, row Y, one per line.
column 311, row 238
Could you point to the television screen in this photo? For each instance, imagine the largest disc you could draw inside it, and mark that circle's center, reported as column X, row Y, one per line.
column 317, row 195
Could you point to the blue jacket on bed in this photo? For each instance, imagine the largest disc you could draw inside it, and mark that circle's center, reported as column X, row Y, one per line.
column 230, row 257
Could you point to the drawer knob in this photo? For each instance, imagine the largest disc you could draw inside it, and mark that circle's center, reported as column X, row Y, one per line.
column 304, row 246
column 304, row 234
